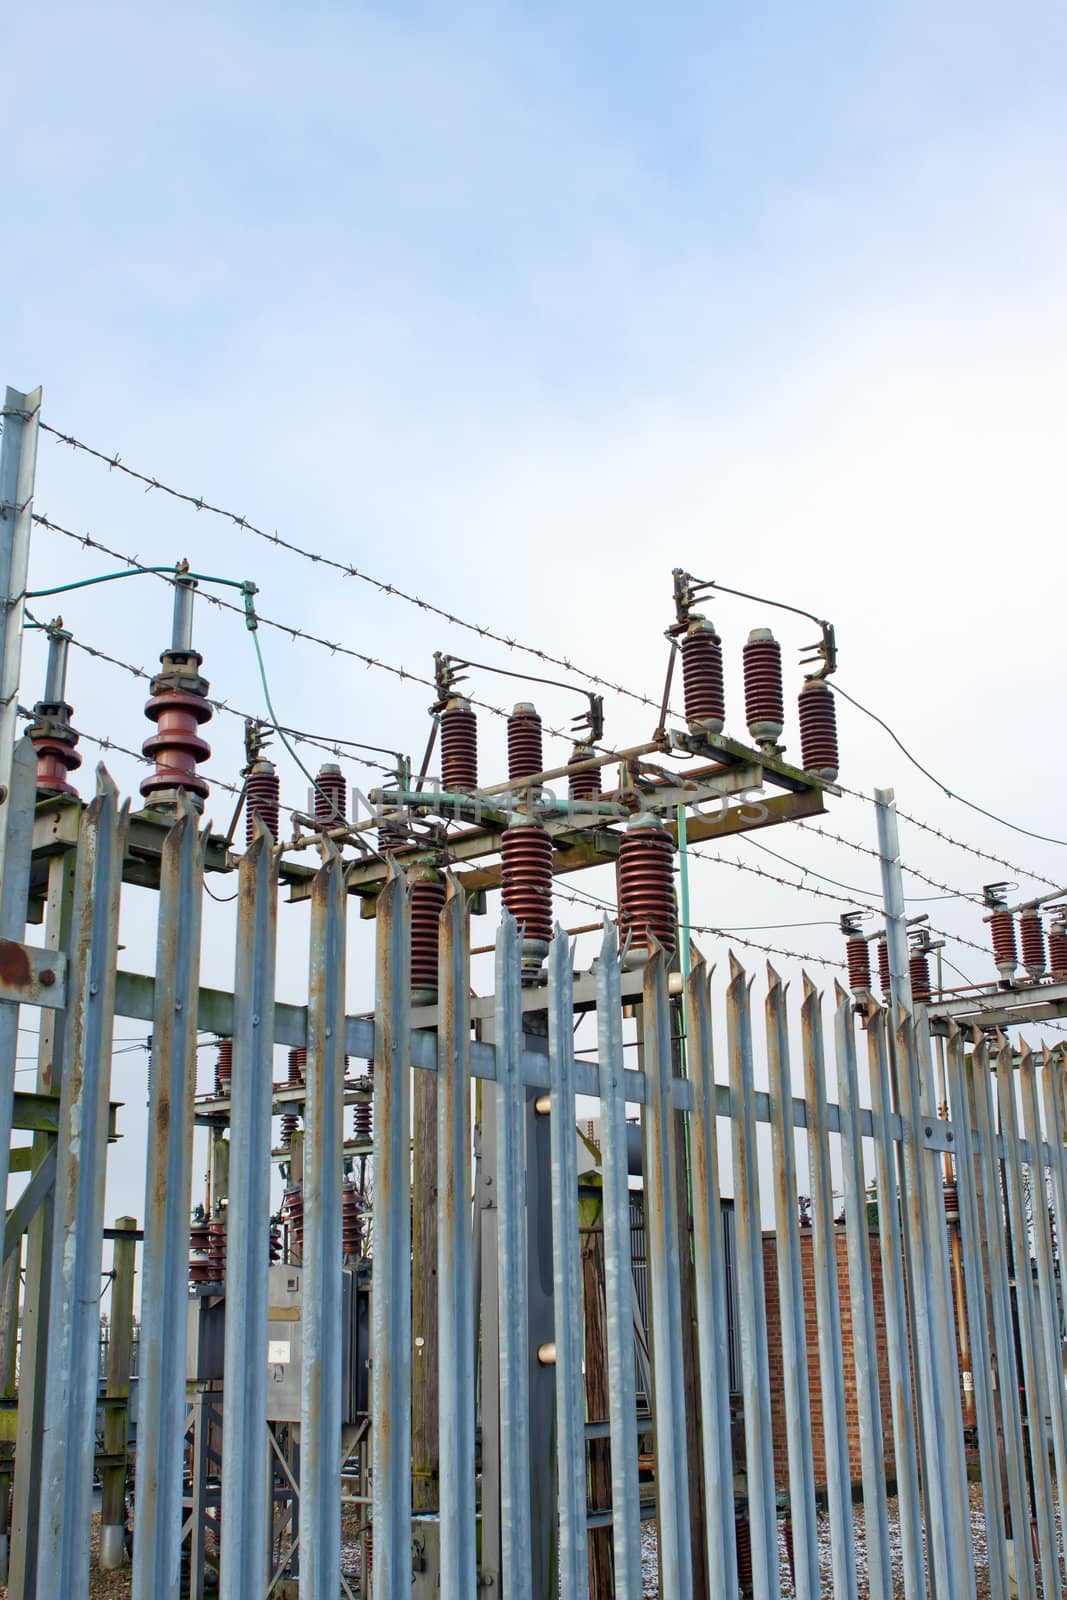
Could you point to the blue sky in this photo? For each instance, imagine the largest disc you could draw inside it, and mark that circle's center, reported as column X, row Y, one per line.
column 521, row 307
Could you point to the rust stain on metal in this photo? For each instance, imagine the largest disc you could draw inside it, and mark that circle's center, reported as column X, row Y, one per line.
column 15, row 968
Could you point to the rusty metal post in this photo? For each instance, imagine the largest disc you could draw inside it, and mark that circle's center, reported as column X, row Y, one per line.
column 10, row 1285
column 320, row 1363
column 18, row 466
column 74, row 1312
column 164, row 1301
column 116, row 1415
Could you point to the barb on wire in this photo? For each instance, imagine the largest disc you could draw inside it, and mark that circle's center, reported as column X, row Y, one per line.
column 346, row 568
column 867, row 850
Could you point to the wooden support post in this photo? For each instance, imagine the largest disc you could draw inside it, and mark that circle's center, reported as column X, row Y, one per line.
column 116, row 1416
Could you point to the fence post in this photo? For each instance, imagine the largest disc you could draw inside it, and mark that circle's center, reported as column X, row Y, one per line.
column 18, row 466
column 116, row 1416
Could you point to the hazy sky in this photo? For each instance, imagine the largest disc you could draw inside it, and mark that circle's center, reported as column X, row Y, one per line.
column 520, row 307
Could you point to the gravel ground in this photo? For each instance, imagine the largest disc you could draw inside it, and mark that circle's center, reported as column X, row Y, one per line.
column 650, row 1565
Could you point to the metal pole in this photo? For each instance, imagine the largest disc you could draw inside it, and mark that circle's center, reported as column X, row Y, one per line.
column 320, row 1363
column 116, row 1418
column 182, row 629
column 893, row 896
column 74, row 1312
column 18, row 464
column 55, row 678
column 164, row 1301
column 244, row 1382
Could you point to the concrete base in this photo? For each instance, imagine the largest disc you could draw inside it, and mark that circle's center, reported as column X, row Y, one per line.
column 112, row 1547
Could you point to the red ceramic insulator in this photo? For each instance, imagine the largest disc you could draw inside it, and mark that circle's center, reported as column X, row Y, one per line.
column 1032, row 941
column 952, row 1202
column 459, row 747
column 263, row 795
column 217, row 1251
column 297, row 1069
column 583, row 785
column 331, row 796
column 392, row 836
column 525, row 745
column 743, row 1542
column 351, row 1222
column 858, row 955
column 764, row 707
column 176, row 747
column 274, row 1248
column 919, row 972
column 427, row 900
column 224, row 1067
column 883, row 967
column 702, row 682
column 646, row 885
column 293, row 1206
column 818, row 730
column 1057, row 950
column 1002, row 931
column 527, row 878
column 54, row 740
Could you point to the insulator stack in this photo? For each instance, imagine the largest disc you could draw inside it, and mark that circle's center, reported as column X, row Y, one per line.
column 583, row 785
column 297, row 1073
column 274, row 1247
column 392, row 835
column 858, row 955
column 331, row 796
column 224, row 1068
column 919, row 973
column 952, row 1202
column 217, row 1250
column 293, row 1207
column 351, row 1222
column 702, row 681
column 263, row 797
column 459, row 747
column 427, row 900
column 646, row 884
column 818, row 730
column 764, row 705
column 54, row 740
column 1057, row 950
column 527, row 886
column 199, row 1251
column 525, row 744
column 1032, row 942
column 1002, row 931
column 363, row 1114
column 178, row 707
column 883, row 968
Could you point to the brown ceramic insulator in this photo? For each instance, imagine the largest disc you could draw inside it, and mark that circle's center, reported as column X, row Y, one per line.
column 1032, row 943
column 54, row 740
column 858, row 955
column 702, row 681
column 200, row 1270
column 919, row 973
column 363, row 1114
column 459, row 748
column 263, row 796
column 392, row 835
column 297, row 1069
column 646, row 885
column 764, row 706
column 525, row 744
column 527, row 878
column 1057, row 950
column 274, row 1245
column 351, row 1222
column 331, row 796
column 368, row 1558
column 883, row 967
column 293, row 1206
column 178, row 707
column 743, row 1542
column 427, row 900
column 583, row 785
column 200, row 1238
column 1002, row 932
column 952, row 1202
column 818, row 730
column 217, row 1251
column 224, row 1067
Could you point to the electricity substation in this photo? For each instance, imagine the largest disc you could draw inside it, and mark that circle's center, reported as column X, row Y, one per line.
column 752, row 1298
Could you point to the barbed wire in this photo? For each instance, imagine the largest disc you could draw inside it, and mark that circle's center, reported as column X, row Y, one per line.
column 347, row 569
column 223, row 705
column 959, row 844
column 138, row 755
column 867, row 850
column 290, row 629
